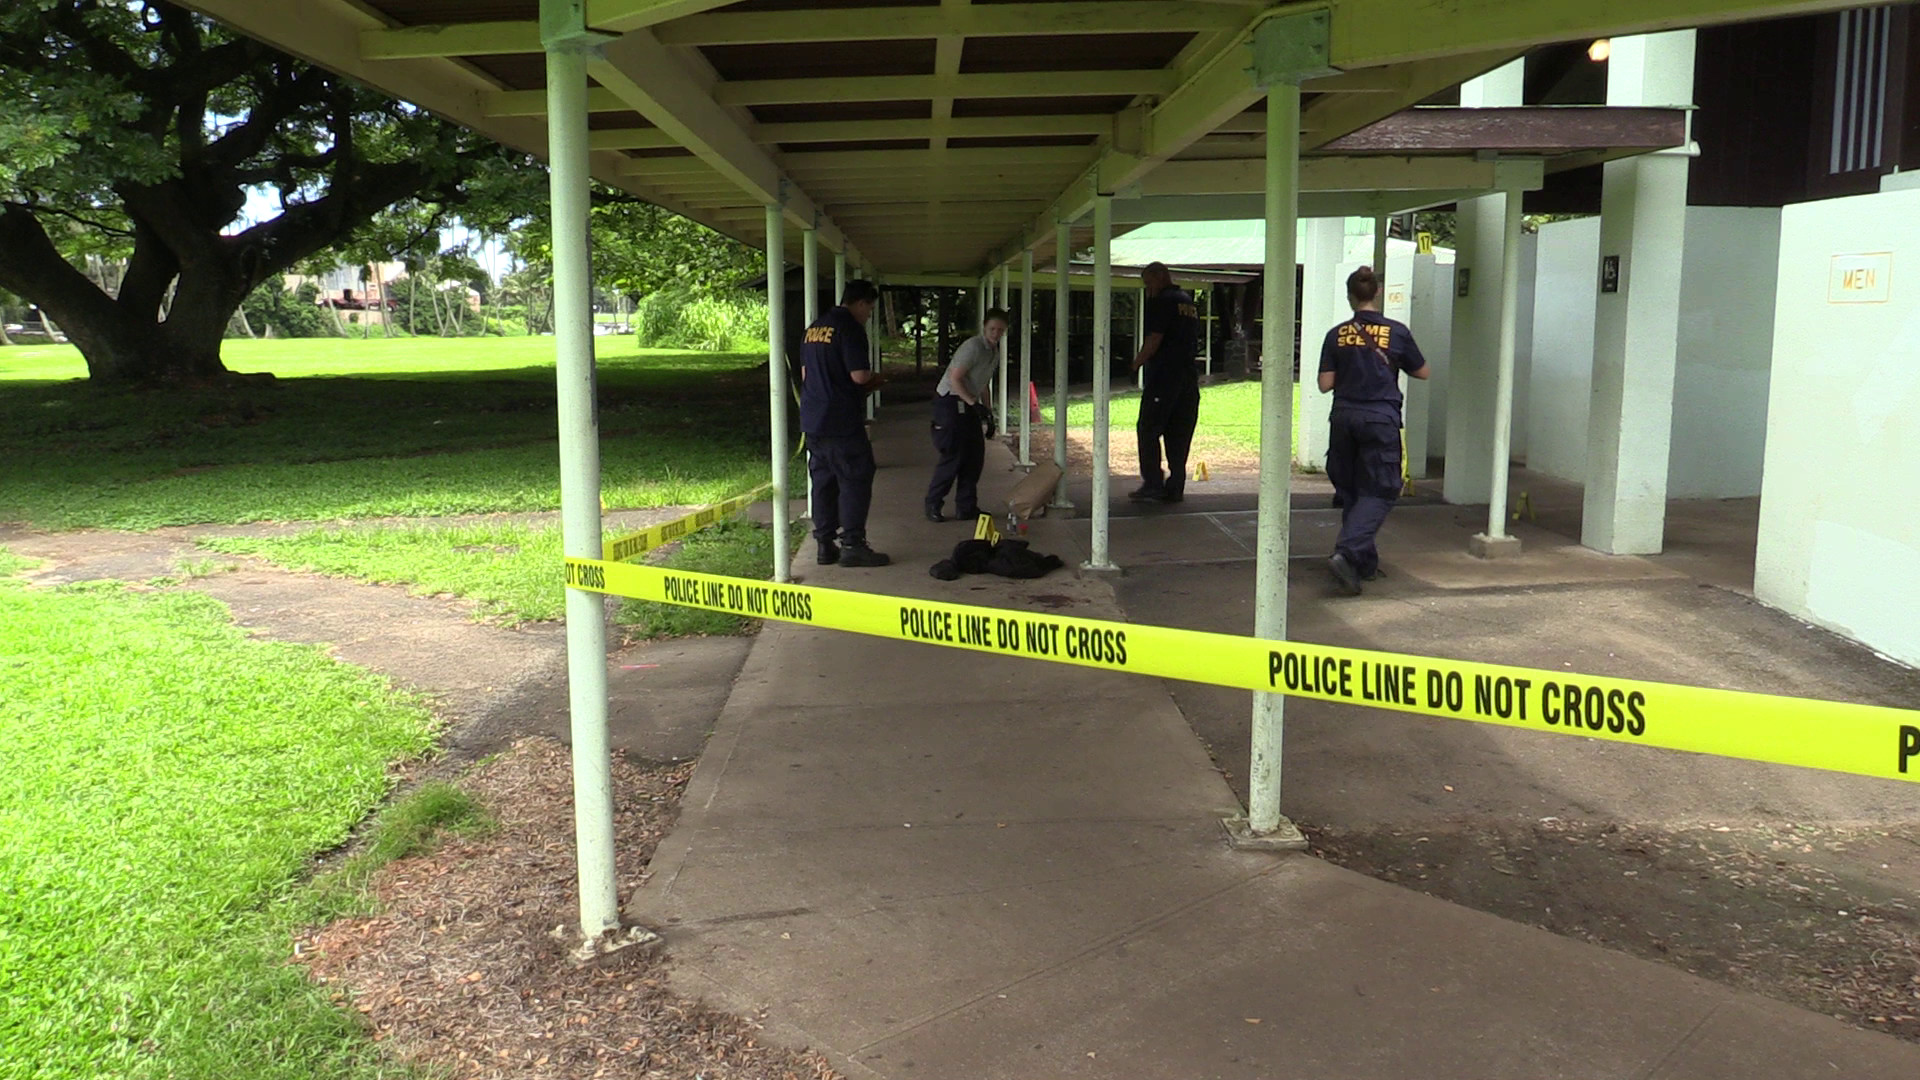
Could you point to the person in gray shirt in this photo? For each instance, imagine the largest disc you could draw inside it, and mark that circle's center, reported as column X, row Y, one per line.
column 960, row 415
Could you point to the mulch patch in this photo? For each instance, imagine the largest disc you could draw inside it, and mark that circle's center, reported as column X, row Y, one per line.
column 461, row 970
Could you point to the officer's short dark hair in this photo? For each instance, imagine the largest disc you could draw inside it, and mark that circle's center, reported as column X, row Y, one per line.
column 857, row 290
column 997, row 313
column 1156, row 267
column 1363, row 285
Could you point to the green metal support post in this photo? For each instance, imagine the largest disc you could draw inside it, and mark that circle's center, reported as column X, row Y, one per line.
column 565, row 38
column 1101, row 555
column 810, row 306
column 1062, row 322
column 1286, row 52
column 1026, row 358
column 1006, row 301
column 777, row 387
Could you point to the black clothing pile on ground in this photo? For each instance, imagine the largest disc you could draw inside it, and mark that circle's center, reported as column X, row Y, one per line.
column 1008, row 558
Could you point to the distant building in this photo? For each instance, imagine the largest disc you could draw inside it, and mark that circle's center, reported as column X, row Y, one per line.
column 358, row 293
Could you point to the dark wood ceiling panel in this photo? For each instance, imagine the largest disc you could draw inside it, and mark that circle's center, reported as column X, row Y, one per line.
column 520, row 72
column 822, row 5
column 430, row 12
column 866, row 144
column 1048, row 106
column 843, row 110
column 821, row 59
column 615, row 121
column 1021, row 140
column 1072, row 52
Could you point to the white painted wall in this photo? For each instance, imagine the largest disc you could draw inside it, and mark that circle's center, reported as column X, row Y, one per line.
column 1725, row 350
column 1561, row 373
column 1727, row 297
column 1323, row 302
column 1839, row 526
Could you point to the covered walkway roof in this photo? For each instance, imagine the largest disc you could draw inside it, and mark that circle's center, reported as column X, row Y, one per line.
column 944, row 136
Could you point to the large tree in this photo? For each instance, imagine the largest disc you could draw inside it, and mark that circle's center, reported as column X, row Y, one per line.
column 142, row 127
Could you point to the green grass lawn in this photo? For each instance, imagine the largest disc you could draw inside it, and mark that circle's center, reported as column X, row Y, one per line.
column 1229, row 414
column 368, row 428
column 164, row 780
column 510, row 570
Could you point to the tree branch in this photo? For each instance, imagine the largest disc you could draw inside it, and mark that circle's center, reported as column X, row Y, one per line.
column 36, row 208
column 31, row 267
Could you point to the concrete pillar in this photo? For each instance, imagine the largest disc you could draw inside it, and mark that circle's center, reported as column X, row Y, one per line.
column 1322, row 304
column 1643, row 227
column 569, row 189
column 1479, row 231
column 1431, row 320
column 1495, row 541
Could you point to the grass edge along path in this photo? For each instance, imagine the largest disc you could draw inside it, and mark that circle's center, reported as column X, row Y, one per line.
column 511, row 571
column 164, row 782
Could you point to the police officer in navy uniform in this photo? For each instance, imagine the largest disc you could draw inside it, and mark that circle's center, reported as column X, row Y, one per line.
column 1170, row 391
column 1360, row 364
column 835, row 381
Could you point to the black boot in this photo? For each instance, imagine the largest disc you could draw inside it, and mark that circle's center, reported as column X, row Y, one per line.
column 862, row 555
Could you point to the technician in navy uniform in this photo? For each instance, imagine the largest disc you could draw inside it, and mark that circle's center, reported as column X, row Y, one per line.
column 1360, row 364
column 835, row 381
column 1170, row 392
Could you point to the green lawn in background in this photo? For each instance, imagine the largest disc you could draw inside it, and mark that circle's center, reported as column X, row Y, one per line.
column 1229, row 414
column 369, row 428
column 164, row 780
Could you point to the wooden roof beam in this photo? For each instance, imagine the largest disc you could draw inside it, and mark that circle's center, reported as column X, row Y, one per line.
column 1540, row 129
column 1014, row 84
column 961, row 127
column 902, row 24
column 1363, row 174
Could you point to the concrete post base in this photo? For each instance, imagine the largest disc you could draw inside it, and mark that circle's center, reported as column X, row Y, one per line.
column 1104, row 569
column 1483, row 546
column 1285, row 838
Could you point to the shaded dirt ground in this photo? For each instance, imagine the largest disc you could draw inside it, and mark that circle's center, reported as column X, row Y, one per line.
column 1798, row 884
column 1782, row 911
column 461, row 971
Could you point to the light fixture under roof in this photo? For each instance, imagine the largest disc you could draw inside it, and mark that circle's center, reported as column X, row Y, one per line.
column 1600, row 50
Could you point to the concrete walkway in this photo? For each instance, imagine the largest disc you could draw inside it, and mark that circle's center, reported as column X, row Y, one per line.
column 928, row 863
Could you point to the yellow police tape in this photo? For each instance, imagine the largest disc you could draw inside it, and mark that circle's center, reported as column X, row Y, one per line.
column 626, row 547
column 1869, row 740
